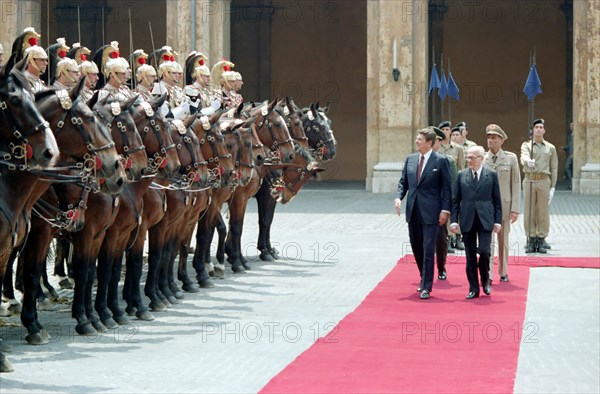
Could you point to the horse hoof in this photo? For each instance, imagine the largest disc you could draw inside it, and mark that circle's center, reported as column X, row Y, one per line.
column 158, row 306
column 206, row 283
column 130, row 310
column 238, row 269
column 246, row 266
column 66, row 284
column 274, row 253
column 172, row 300
column 99, row 326
column 15, row 308
column 266, row 256
column 190, row 288
column 145, row 315
column 86, row 329
column 109, row 323
column 36, row 339
column 5, row 365
column 121, row 320
column 220, row 271
column 166, row 302
column 178, row 294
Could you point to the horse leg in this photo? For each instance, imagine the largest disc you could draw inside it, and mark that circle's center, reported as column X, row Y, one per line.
column 163, row 277
column 271, row 215
column 171, row 266
column 133, row 275
column 51, row 290
column 236, row 225
column 61, row 251
column 89, row 298
column 6, row 286
column 182, row 274
column 150, row 289
column 113, row 291
column 80, row 274
column 105, row 261
column 202, row 244
column 263, row 199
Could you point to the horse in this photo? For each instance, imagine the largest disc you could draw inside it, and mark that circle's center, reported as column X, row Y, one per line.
column 26, row 142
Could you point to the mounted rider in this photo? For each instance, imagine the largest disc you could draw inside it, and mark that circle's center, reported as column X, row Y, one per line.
column 67, row 74
column 116, row 73
column 90, row 71
column 37, row 61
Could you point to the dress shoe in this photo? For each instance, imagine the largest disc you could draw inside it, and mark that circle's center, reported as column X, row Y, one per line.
column 504, row 278
column 419, row 289
column 472, row 294
column 487, row 288
column 450, row 248
column 544, row 244
column 530, row 246
column 425, row 294
column 442, row 275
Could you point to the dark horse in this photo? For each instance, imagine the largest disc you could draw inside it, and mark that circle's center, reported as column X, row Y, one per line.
column 26, row 143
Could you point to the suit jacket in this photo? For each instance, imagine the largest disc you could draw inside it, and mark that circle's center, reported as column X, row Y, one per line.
column 433, row 189
column 509, row 177
column 482, row 197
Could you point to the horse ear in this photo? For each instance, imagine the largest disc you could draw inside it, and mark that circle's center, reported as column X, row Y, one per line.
column 188, row 120
column 214, row 117
column 272, row 104
column 158, row 102
column 94, row 100
column 239, row 109
column 75, row 91
column 21, row 65
column 249, row 121
column 313, row 109
column 5, row 71
column 127, row 104
column 317, row 106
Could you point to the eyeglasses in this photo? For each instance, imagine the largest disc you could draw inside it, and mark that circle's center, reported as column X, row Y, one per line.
column 474, row 157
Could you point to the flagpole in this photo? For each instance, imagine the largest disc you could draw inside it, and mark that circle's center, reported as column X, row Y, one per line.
column 442, row 100
column 450, row 99
column 531, row 115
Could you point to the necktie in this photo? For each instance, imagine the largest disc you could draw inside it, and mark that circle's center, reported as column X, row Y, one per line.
column 494, row 159
column 475, row 177
column 420, row 167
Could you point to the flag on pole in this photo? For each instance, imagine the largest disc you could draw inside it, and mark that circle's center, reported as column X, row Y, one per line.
column 443, row 87
column 453, row 88
column 533, row 86
column 434, row 80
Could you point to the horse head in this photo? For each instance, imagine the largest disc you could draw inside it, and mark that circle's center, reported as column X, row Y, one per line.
column 193, row 172
column 239, row 136
column 273, row 132
column 318, row 130
column 26, row 141
column 303, row 168
column 293, row 118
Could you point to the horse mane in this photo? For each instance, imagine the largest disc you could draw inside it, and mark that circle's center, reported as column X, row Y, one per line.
column 303, row 152
column 43, row 95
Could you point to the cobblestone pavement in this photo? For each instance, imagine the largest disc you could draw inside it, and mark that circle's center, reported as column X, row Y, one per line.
column 337, row 242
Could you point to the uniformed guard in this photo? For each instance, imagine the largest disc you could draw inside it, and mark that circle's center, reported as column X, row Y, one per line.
column 101, row 57
column 170, row 75
column 90, row 71
column 67, row 74
column 540, row 168
column 137, row 59
column 145, row 77
column 216, row 78
column 194, row 60
column 466, row 144
column 231, row 99
column 79, row 53
column 37, row 61
column 56, row 52
column 201, row 83
column 28, row 38
column 506, row 166
column 116, row 72
column 449, row 148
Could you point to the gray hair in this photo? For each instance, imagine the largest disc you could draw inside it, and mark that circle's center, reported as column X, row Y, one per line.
column 477, row 149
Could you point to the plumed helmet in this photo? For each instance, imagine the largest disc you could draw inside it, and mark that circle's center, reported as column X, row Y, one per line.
column 138, row 59
column 28, row 38
column 102, row 56
column 88, row 67
column 56, row 52
column 161, row 55
column 35, row 52
column 194, row 60
column 79, row 53
column 113, row 66
column 143, row 71
column 217, row 72
column 64, row 66
column 200, row 70
column 170, row 66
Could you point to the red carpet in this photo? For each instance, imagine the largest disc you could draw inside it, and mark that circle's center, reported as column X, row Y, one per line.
column 536, row 260
column 395, row 342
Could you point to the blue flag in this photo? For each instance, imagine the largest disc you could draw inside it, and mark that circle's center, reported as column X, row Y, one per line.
column 434, row 81
column 533, row 86
column 444, row 87
column 453, row 88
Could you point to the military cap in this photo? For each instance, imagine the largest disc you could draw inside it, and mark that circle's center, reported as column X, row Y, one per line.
column 439, row 134
column 461, row 124
column 537, row 121
column 445, row 123
column 495, row 129
column 456, row 128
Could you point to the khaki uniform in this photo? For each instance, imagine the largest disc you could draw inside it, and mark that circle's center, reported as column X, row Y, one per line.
column 123, row 93
column 36, row 83
column 144, row 92
column 455, row 151
column 206, row 96
column 86, row 94
column 506, row 166
column 537, row 184
column 466, row 145
column 176, row 96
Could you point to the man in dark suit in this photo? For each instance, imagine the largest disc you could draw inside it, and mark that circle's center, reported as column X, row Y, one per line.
column 478, row 207
column 426, row 180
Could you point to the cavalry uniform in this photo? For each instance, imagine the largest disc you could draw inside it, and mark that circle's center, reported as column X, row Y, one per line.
column 145, row 76
column 121, row 92
column 35, row 53
column 37, row 85
column 506, row 166
column 89, row 71
column 537, row 185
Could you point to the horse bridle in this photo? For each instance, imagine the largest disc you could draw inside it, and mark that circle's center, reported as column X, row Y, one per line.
column 275, row 147
column 319, row 150
column 158, row 159
column 216, row 170
column 20, row 149
column 190, row 173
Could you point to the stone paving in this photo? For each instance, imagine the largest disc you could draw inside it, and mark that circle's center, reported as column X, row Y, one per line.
column 337, row 242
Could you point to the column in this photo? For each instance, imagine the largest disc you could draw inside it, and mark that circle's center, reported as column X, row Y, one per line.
column 586, row 103
column 396, row 109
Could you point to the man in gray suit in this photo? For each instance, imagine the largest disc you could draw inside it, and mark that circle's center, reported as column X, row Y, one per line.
column 506, row 165
column 426, row 181
column 478, row 207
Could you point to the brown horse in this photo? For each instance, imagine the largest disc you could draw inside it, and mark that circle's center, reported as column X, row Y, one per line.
column 125, row 229
column 26, row 142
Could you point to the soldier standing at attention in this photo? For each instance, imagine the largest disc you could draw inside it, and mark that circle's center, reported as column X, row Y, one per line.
column 449, row 148
column 116, row 71
column 540, row 167
column 506, row 166
column 145, row 76
column 67, row 74
column 90, row 71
